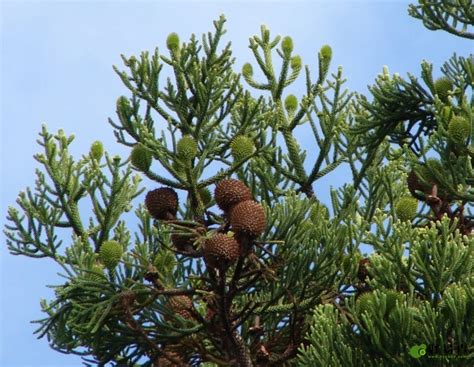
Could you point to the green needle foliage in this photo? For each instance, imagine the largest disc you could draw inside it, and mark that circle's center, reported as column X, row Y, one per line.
column 287, row 284
column 453, row 16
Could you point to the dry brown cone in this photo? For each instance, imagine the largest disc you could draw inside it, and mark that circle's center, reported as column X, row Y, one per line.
column 182, row 306
column 230, row 192
column 162, row 203
column 248, row 217
column 221, row 250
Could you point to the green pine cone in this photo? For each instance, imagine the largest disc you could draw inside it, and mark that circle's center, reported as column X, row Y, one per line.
column 247, row 70
column 295, row 62
column 446, row 113
column 186, row 148
column 459, row 129
column 241, row 147
column 291, row 103
column 442, row 88
column 141, row 158
column 97, row 150
column 172, row 42
column 287, row 46
column 124, row 108
column 326, row 52
column 110, row 253
column 406, row 208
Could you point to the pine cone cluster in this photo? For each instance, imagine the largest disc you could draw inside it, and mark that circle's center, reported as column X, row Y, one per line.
column 246, row 218
column 245, row 215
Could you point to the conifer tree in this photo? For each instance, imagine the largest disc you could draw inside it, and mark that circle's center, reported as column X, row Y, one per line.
column 412, row 301
column 233, row 259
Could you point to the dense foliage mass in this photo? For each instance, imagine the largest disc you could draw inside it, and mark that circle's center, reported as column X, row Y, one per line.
column 234, row 260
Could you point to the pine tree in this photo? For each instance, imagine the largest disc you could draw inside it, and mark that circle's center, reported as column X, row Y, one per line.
column 246, row 266
column 412, row 299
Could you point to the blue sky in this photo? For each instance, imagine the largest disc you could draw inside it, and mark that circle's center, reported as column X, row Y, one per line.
column 56, row 63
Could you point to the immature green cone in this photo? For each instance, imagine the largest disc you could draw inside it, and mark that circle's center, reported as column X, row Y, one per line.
column 110, row 253
column 459, row 129
column 287, row 46
column 291, row 103
column 295, row 62
column 446, row 113
column 247, row 70
column 241, row 147
column 124, row 109
column 186, row 148
column 406, row 208
column 97, row 150
column 172, row 42
column 326, row 52
column 141, row 158
column 442, row 88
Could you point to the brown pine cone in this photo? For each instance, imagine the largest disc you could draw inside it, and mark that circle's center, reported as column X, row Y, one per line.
column 162, row 203
column 182, row 306
column 248, row 217
column 230, row 192
column 221, row 250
